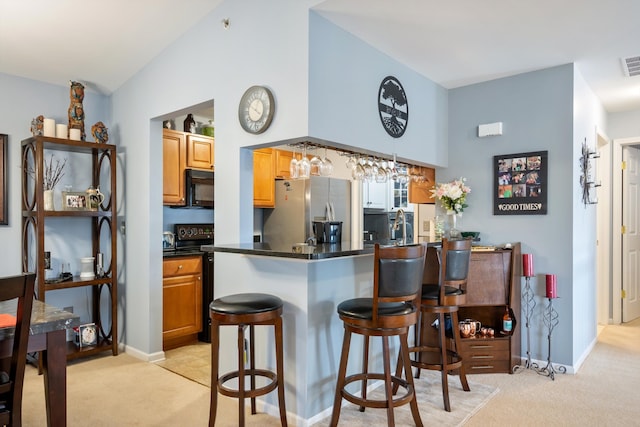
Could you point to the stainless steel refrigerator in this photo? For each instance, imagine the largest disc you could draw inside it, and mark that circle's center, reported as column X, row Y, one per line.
column 301, row 201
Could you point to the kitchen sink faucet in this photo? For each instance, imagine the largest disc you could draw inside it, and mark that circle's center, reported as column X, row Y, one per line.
column 400, row 213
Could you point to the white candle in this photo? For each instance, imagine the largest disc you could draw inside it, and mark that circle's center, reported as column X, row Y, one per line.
column 49, row 128
column 74, row 134
column 61, row 131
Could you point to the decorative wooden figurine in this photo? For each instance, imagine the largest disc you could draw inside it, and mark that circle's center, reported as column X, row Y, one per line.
column 76, row 111
column 37, row 126
column 100, row 132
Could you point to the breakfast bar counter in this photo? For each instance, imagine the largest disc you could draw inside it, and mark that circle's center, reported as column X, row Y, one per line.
column 299, row 251
column 311, row 286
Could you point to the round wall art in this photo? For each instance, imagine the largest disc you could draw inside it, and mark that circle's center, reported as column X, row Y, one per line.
column 393, row 106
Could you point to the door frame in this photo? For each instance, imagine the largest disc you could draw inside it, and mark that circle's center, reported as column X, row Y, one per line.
column 616, row 291
column 604, row 229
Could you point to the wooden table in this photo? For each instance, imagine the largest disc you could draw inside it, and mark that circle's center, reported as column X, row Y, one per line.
column 47, row 335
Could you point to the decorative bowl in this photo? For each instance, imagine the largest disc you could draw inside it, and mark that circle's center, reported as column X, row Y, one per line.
column 473, row 234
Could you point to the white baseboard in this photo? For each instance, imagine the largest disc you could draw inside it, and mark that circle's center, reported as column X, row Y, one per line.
column 147, row 357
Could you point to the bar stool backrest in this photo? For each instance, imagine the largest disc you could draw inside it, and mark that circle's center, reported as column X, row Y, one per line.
column 398, row 274
column 454, row 257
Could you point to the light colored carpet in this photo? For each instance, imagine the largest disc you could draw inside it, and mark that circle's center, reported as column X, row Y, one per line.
column 124, row 391
column 604, row 392
column 193, row 362
column 429, row 391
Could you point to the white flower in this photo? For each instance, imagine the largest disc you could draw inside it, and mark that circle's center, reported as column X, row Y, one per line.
column 452, row 195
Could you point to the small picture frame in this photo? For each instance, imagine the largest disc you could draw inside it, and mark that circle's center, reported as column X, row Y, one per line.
column 87, row 335
column 74, row 201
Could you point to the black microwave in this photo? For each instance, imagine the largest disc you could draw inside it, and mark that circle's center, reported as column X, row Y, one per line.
column 200, row 188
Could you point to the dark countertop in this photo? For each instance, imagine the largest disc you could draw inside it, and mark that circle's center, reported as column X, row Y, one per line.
column 322, row 251
column 176, row 253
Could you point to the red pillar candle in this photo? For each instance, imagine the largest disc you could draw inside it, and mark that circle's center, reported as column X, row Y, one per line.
column 527, row 265
column 552, row 288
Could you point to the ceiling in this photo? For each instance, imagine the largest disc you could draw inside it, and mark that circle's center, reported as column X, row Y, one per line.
column 453, row 43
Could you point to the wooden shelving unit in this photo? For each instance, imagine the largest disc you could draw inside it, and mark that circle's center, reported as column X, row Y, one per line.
column 34, row 223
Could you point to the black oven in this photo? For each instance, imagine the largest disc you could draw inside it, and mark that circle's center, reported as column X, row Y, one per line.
column 188, row 240
column 199, row 188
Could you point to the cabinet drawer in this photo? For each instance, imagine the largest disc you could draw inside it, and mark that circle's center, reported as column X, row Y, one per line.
column 487, row 367
column 484, row 349
column 181, row 266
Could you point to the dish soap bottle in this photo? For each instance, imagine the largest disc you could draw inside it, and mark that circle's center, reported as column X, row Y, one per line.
column 507, row 322
column 190, row 124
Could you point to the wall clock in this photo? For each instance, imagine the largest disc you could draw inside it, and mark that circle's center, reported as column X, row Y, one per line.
column 393, row 106
column 256, row 109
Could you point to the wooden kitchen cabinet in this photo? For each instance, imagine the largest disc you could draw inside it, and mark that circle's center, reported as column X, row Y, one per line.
column 375, row 195
column 264, row 185
column 420, row 192
column 493, row 285
column 174, row 163
column 283, row 161
column 181, row 300
column 200, row 152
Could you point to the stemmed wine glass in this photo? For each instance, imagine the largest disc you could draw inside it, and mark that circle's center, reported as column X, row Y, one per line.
column 293, row 166
column 304, row 165
column 315, row 165
column 326, row 168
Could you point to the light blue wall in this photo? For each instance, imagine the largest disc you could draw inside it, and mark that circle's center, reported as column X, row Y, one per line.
column 248, row 53
column 344, row 78
column 267, row 46
column 22, row 100
column 588, row 115
column 536, row 110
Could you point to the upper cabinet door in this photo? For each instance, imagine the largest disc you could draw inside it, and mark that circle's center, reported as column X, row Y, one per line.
column 420, row 191
column 283, row 163
column 200, row 152
column 375, row 195
column 264, row 185
column 174, row 154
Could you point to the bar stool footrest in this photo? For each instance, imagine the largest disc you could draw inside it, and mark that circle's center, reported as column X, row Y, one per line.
column 431, row 358
column 226, row 391
column 370, row 403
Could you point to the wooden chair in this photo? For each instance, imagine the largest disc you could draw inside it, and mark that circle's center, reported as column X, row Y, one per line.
column 20, row 287
column 392, row 310
column 441, row 299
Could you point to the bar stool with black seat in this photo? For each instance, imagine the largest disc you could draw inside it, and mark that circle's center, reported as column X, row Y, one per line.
column 442, row 299
column 242, row 310
column 391, row 311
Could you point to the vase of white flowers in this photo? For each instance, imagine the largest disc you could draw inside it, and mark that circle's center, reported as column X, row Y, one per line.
column 53, row 173
column 452, row 197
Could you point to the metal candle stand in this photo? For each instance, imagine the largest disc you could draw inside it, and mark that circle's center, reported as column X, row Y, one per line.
column 529, row 305
column 550, row 320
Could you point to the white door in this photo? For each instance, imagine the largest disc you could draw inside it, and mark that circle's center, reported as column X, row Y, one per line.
column 631, row 235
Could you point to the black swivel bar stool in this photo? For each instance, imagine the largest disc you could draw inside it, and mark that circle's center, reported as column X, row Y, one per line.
column 391, row 311
column 244, row 310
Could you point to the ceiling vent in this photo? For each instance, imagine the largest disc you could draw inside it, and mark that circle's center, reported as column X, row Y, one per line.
column 631, row 66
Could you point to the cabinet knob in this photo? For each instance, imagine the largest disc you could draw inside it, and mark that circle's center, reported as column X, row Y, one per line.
column 180, row 267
